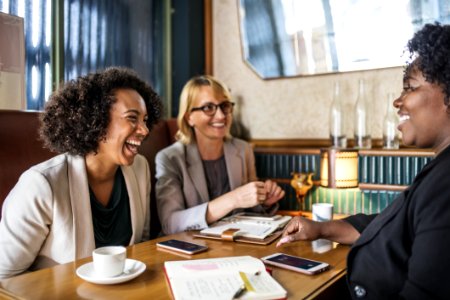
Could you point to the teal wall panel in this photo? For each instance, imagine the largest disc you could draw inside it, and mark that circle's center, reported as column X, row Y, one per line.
column 393, row 170
column 376, row 201
column 386, row 170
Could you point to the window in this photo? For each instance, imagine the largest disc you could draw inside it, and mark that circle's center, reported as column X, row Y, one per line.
column 284, row 38
column 96, row 34
column 36, row 14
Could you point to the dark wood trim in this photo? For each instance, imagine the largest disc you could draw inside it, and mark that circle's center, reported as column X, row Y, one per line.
column 208, row 37
column 306, row 214
column 288, row 181
column 291, row 143
column 292, row 213
column 382, row 187
column 398, row 152
column 313, row 146
column 282, row 150
column 362, row 186
column 306, row 143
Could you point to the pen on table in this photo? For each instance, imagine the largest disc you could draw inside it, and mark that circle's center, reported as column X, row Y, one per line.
column 239, row 292
column 243, row 288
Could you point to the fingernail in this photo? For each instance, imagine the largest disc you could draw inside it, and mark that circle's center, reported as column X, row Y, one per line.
column 283, row 240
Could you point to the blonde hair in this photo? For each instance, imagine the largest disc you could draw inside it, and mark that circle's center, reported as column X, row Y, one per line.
column 185, row 133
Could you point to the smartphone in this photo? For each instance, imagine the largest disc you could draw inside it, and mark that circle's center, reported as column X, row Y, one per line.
column 182, row 246
column 296, row 263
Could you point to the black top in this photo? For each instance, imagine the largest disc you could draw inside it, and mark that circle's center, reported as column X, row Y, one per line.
column 403, row 251
column 216, row 177
column 112, row 224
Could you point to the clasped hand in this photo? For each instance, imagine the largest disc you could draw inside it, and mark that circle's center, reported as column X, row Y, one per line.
column 258, row 192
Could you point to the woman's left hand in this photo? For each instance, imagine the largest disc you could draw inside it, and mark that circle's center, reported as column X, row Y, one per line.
column 273, row 193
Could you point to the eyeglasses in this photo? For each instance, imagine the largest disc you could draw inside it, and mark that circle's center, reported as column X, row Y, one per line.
column 210, row 108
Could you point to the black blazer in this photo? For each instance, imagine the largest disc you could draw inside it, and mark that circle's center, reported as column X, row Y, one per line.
column 404, row 252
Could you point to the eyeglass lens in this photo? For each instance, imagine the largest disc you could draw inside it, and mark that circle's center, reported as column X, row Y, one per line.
column 211, row 108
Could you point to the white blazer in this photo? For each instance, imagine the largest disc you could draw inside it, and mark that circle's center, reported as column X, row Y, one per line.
column 47, row 219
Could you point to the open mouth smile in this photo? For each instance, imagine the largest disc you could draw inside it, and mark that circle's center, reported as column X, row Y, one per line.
column 133, row 145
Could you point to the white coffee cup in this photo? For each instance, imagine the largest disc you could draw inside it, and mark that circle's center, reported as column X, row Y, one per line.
column 109, row 261
column 322, row 212
column 322, row 245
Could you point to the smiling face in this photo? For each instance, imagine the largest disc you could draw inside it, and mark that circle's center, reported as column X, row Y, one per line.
column 126, row 130
column 424, row 117
column 211, row 128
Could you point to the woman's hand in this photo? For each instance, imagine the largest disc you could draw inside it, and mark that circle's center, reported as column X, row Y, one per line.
column 250, row 194
column 257, row 192
column 299, row 229
column 273, row 193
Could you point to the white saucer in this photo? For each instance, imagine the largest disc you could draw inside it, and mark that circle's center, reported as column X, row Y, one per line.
column 133, row 268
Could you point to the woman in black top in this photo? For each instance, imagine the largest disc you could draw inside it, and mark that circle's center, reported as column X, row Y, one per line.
column 403, row 251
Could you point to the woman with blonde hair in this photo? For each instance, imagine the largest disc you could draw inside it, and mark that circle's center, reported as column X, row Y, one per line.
column 208, row 174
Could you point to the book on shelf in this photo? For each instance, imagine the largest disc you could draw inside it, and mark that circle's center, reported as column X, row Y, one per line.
column 222, row 278
column 257, row 229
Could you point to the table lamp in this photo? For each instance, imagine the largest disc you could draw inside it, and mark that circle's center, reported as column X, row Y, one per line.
column 339, row 168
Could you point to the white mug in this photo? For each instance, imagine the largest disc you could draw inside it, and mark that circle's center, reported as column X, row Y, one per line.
column 322, row 245
column 322, row 212
column 109, row 261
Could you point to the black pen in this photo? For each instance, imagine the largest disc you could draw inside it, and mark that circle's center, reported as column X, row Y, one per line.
column 239, row 292
column 242, row 289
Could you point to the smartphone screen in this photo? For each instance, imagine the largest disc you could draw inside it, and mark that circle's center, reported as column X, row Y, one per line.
column 182, row 246
column 296, row 263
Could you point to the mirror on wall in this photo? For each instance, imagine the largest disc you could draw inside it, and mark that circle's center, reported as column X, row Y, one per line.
column 285, row 38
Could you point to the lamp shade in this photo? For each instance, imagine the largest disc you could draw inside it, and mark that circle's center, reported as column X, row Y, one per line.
column 339, row 168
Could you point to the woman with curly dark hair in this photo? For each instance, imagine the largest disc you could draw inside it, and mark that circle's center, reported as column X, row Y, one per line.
column 97, row 191
column 402, row 253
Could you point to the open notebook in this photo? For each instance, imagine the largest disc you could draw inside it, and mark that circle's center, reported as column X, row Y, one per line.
column 222, row 278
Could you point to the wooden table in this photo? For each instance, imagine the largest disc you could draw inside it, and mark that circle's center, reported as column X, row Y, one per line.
column 61, row 282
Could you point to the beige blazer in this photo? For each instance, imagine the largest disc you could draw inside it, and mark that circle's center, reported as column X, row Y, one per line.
column 47, row 220
column 181, row 189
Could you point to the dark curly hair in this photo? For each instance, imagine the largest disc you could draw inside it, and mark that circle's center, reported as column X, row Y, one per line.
column 76, row 116
column 431, row 46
